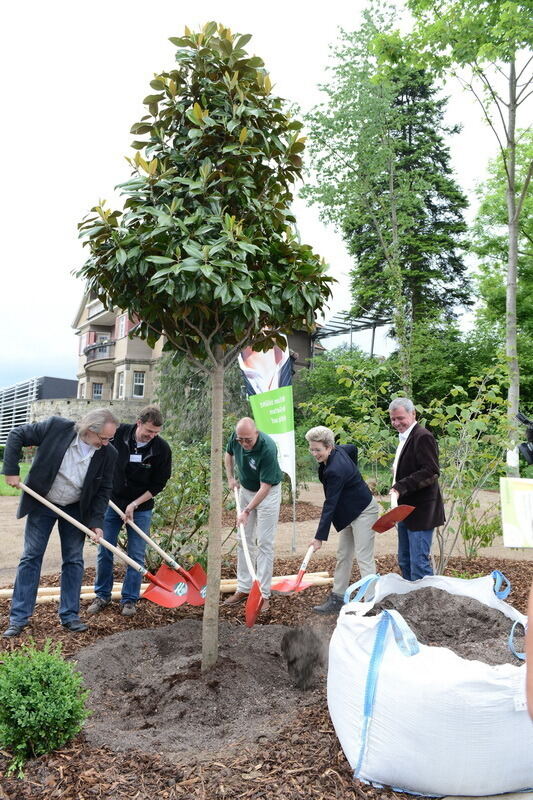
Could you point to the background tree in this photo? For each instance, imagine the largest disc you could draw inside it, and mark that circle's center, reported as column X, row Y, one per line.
column 384, row 180
column 431, row 247
column 488, row 45
column 189, row 421
column 490, row 243
column 206, row 253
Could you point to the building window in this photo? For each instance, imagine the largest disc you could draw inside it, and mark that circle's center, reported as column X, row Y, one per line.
column 81, row 390
column 103, row 350
column 138, row 384
column 97, row 391
column 120, row 386
column 121, row 326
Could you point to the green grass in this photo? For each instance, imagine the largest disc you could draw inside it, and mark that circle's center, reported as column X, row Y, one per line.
column 7, row 491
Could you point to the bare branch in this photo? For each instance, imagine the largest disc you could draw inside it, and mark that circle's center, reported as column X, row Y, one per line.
column 526, row 65
column 491, row 124
column 523, row 99
column 523, row 193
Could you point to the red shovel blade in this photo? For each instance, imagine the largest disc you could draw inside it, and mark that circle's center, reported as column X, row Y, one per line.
column 162, row 597
column 290, row 585
column 388, row 520
column 177, row 583
column 196, row 594
column 253, row 604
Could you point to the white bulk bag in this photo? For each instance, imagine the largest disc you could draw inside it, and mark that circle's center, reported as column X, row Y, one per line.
column 421, row 719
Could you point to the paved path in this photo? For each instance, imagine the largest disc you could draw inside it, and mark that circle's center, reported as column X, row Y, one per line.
column 12, row 539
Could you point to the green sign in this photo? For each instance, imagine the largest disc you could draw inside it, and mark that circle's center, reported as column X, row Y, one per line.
column 273, row 411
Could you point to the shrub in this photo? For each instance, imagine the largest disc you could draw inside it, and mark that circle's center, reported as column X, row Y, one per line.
column 478, row 533
column 42, row 703
column 181, row 513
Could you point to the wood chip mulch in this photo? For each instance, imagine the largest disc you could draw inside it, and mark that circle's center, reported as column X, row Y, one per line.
column 304, row 511
column 304, row 762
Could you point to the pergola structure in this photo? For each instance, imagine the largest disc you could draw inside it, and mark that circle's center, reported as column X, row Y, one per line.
column 343, row 323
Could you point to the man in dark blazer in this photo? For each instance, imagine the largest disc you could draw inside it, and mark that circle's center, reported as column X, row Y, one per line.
column 415, row 482
column 73, row 469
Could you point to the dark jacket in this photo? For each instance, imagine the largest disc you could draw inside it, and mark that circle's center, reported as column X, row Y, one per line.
column 52, row 437
column 133, row 479
column 417, row 475
column 345, row 490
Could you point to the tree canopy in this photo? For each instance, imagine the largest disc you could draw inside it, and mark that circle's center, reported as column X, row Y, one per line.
column 205, row 251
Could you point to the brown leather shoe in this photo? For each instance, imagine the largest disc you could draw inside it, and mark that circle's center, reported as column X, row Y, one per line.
column 265, row 605
column 235, row 599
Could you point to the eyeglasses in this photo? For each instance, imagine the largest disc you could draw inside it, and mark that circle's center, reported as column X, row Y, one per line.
column 104, row 438
column 245, row 438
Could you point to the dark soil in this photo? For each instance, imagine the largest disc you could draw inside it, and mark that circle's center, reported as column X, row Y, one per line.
column 246, row 731
column 466, row 626
column 148, row 692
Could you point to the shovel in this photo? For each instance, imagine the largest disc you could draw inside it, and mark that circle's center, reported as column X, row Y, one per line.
column 291, row 585
column 160, row 593
column 255, row 598
column 193, row 582
column 388, row 520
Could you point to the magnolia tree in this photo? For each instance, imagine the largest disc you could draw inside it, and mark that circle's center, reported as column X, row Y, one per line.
column 205, row 251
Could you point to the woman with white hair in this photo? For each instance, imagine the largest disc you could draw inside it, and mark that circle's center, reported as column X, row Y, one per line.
column 349, row 506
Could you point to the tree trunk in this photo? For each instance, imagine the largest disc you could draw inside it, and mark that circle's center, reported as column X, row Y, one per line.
column 211, row 609
column 399, row 316
column 513, row 396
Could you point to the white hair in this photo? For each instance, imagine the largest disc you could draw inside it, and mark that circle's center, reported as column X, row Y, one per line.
column 402, row 402
column 95, row 420
column 321, row 434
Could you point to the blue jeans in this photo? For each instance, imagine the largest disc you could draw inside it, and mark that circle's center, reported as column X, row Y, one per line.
column 136, row 546
column 414, row 548
column 39, row 524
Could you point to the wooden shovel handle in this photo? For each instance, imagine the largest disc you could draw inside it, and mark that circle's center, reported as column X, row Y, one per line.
column 145, row 536
column 84, row 529
column 242, row 534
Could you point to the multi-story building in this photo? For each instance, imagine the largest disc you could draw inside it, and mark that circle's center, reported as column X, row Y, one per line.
column 114, row 367
column 111, row 365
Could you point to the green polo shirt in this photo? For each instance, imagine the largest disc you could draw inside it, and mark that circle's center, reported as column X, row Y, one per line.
column 258, row 465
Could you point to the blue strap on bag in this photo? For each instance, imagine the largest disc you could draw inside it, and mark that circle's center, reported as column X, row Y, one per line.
column 362, row 585
column 499, row 581
column 510, row 641
column 408, row 644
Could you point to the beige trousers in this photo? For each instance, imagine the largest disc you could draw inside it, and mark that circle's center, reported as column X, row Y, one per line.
column 260, row 531
column 357, row 538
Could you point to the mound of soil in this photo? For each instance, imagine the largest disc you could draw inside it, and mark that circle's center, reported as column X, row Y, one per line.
column 148, row 692
column 469, row 628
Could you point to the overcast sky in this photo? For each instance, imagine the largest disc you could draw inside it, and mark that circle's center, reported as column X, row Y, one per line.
column 74, row 76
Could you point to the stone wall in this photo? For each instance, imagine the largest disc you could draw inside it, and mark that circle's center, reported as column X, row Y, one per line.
column 125, row 410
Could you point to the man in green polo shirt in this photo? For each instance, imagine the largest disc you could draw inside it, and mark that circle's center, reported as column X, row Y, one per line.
column 251, row 462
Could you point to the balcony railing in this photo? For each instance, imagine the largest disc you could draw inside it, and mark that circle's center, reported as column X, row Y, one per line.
column 100, row 351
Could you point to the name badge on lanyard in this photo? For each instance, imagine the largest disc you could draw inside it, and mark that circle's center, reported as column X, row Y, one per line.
column 136, row 458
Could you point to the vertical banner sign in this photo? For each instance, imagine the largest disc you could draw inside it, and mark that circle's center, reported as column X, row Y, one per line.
column 268, row 379
column 516, row 497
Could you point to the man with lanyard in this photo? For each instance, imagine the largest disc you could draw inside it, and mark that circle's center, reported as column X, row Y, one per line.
column 415, row 482
column 73, row 469
column 255, row 456
column 143, row 469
